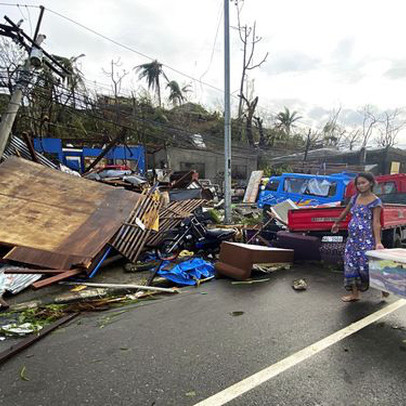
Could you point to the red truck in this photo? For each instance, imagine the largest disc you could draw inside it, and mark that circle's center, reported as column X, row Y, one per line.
column 311, row 226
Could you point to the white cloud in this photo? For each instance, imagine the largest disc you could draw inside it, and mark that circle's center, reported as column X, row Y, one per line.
column 322, row 54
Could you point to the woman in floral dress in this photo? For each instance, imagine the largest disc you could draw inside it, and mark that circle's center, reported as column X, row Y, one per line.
column 364, row 234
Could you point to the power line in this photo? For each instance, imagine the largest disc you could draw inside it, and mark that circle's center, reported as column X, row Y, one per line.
column 181, row 133
column 19, row 5
column 28, row 15
column 128, row 48
column 82, row 102
column 164, row 131
column 215, row 41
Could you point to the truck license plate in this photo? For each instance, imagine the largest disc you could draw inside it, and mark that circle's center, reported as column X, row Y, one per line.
column 332, row 238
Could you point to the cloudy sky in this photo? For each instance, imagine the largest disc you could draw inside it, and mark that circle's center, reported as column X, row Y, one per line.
column 322, row 54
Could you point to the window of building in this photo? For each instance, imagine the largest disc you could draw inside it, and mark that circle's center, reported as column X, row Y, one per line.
column 192, row 166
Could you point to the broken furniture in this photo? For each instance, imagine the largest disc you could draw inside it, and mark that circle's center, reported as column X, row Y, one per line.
column 237, row 259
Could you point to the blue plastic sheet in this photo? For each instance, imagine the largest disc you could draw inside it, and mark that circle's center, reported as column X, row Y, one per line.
column 187, row 272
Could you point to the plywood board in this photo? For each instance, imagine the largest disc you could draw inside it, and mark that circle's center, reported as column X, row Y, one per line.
column 251, row 192
column 44, row 212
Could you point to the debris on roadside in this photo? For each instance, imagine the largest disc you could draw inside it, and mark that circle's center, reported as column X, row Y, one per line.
column 187, row 271
column 14, row 282
column 10, row 352
column 120, row 176
column 250, row 281
column 237, row 259
column 15, row 329
column 23, row 375
column 51, row 220
column 252, row 190
column 59, row 228
column 299, row 284
column 122, row 286
column 171, row 216
column 237, row 313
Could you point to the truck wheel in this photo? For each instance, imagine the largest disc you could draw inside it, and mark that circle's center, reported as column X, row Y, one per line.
column 397, row 242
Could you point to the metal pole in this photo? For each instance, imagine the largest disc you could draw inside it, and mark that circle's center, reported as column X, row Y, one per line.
column 227, row 121
column 41, row 14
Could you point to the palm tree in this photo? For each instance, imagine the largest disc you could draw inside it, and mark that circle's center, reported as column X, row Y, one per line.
column 177, row 94
column 285, row 120
column 152, row 72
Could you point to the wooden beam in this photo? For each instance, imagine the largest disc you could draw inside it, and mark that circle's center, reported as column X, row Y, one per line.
column 53, row 279
column 35, row 271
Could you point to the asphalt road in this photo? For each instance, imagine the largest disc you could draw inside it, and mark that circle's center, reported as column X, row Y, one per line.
column 180, row 350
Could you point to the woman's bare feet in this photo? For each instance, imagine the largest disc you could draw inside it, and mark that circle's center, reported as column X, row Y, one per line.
column 350, row 298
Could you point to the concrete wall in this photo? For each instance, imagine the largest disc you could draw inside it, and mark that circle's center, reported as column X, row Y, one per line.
column 213, row 162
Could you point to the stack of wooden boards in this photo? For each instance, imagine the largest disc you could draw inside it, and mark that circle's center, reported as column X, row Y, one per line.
column 57, row 223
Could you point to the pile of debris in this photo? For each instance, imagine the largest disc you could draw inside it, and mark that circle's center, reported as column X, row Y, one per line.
column 118, row 175
column 60, row 225
column 57, row 226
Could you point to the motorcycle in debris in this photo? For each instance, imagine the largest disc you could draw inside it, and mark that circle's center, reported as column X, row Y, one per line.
column 193, row 235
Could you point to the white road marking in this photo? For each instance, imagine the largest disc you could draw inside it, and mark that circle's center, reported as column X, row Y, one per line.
column 260, row 377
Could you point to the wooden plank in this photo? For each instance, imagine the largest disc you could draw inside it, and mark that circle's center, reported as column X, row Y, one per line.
column 53, row 279
column 56, row 220
column 35, row 271
column 102, row 225
column 39, row 181
column 46, row 259
column 36, row 225
column 251, row 192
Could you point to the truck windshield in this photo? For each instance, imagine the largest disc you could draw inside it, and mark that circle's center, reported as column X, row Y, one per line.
column 312, row 186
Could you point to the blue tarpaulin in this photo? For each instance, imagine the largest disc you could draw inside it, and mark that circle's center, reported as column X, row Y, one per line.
column 187, row 272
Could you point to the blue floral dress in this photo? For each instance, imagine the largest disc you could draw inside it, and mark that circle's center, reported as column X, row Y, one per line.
column 360, row 239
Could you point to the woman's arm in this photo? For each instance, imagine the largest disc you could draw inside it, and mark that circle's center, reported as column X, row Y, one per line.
column 376, row 225
column 343, row 215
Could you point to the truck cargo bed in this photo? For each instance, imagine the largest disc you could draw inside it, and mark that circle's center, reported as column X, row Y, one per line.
column 322, row 218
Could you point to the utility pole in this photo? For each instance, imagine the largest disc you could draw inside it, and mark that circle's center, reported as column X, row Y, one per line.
column 7, row 119
column 227, row 119
column 33, row 60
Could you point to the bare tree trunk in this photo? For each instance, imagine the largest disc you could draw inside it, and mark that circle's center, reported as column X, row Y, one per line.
column 308, row 141
column 259, row 124
column 251, row 106
column 249, row 39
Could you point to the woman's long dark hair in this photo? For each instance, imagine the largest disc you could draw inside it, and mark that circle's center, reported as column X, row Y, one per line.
column 366, row 175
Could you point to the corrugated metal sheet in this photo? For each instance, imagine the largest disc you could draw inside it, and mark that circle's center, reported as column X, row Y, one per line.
column 15, row 283
column 17, row 147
